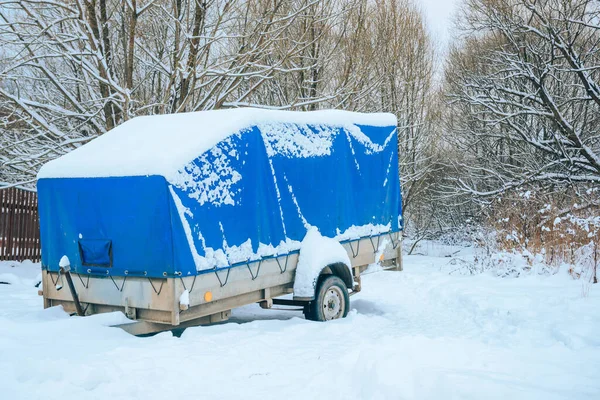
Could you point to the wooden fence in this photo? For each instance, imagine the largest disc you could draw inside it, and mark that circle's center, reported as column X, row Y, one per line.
column 19, row 225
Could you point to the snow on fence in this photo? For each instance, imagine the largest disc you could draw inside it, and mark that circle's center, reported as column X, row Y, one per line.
column 19, row 225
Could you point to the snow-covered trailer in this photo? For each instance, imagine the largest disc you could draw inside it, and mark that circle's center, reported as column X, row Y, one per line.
column 177, row 219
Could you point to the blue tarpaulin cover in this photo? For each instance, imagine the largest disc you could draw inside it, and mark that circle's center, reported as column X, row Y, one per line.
column 248, row 193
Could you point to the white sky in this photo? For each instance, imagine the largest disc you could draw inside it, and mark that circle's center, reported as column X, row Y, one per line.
column 439, row 18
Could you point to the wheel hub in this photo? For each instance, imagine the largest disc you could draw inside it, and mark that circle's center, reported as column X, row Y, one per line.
column 333, row 303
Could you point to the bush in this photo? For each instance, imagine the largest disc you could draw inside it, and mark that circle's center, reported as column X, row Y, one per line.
column 553, row 230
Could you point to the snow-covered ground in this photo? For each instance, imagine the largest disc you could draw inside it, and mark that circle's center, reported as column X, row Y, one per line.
column 417, row 334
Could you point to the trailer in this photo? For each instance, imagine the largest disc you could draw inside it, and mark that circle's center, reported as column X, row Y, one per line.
column 177, row 219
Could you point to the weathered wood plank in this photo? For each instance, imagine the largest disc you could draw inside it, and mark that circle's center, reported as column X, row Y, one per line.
column 19, row 225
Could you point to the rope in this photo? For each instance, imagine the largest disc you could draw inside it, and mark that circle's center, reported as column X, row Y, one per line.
column 257, row 270
column 87, row 283
column 191, row 287
column 115, row 283
column 57, row 278
column 226, row 278
column 373, row 244
column 357, row 248
column 162, row 282
column 287, row 256
column 395, row 242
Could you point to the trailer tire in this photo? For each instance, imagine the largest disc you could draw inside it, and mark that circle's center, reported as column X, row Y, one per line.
column 331, row 300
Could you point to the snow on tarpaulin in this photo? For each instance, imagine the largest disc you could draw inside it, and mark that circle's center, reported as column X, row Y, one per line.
column 175, row 194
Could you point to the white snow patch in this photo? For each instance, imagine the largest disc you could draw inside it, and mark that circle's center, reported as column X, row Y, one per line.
column 446, row 336
column 64, row 262
column 164, row 144
column 367, row 142
column 244, row 252
column 184, row 299
column 316, row 252
column 557, row 221
column 278, row 196
column 352, row 150
column 357, row 232
column 213, row 259
column 387, row 172
column 24, row 273
column 300, row 141
column 296, row 141
column 209, row 180
column 291, row 190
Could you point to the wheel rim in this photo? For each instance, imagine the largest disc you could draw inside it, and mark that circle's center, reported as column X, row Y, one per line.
column 333, row 303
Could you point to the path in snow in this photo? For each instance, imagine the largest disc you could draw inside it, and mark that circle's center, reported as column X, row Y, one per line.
column 417, row 334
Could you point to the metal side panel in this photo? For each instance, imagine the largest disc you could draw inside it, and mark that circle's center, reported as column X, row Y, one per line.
column 265, row 274
column 363, row 251
column 157, row 300
column 238, row 280
column 151, row 297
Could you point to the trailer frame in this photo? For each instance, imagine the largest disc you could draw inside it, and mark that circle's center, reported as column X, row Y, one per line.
column 153, row 303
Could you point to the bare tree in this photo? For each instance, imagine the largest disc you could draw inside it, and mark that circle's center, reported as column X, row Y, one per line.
column 524, row 91
column 71, row 70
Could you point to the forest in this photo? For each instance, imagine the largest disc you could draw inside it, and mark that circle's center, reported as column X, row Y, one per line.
column 498, row 134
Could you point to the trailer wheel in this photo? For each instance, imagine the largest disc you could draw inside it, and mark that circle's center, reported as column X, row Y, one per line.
column 331, row 300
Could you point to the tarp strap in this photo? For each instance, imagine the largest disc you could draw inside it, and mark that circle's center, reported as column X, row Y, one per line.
column 87, row 282
column 287, row 256
column 373, row 244
column 354, row 254
column 226, row 277
column 136, row 273
column 191, row 287
column 250, row 269
column 120, row 289
column 395, row 242
column 162, row 282
column 52, row 279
